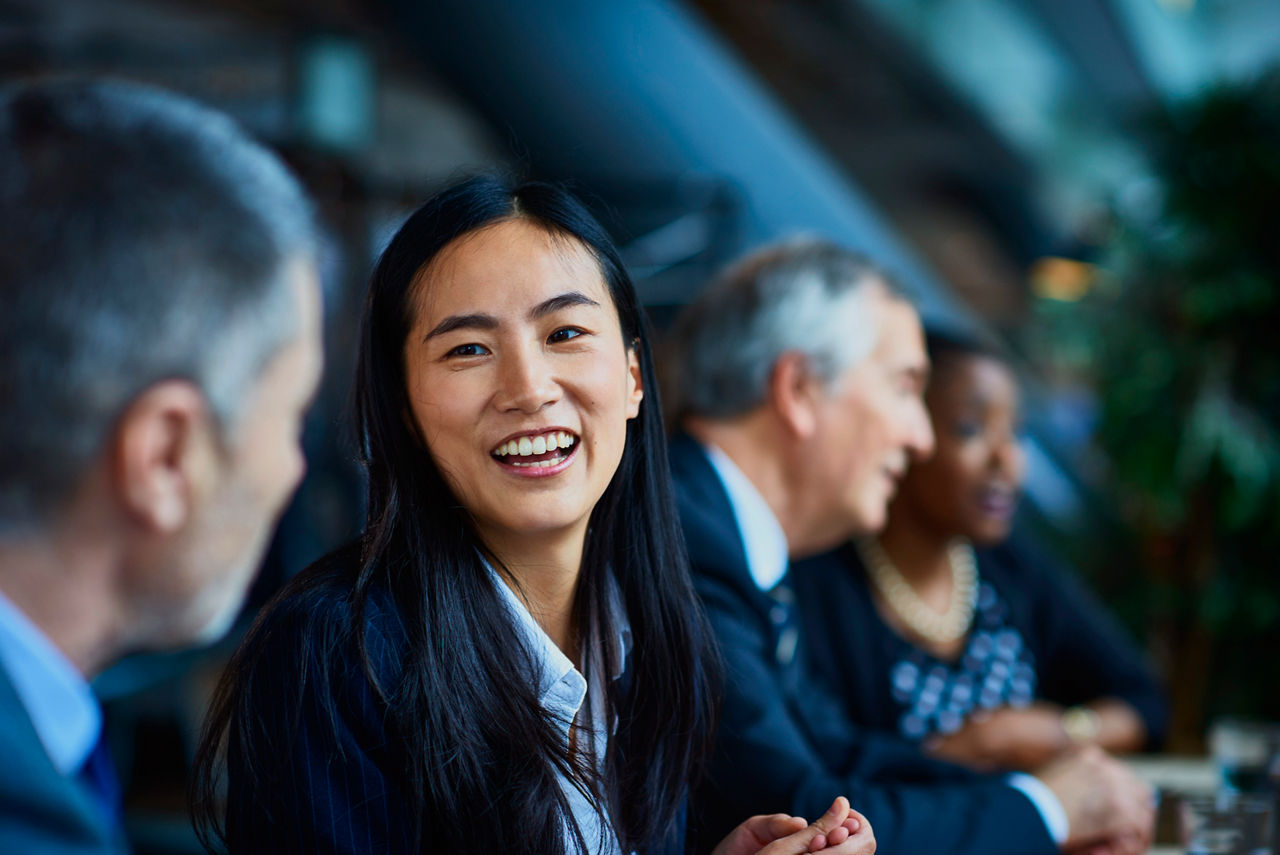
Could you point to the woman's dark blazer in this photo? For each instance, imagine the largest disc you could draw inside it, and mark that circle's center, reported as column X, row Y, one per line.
column 1080, row 652
column 330, row 772
column 332, row 776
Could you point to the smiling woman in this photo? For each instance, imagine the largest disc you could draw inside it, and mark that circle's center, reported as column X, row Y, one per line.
column 516, row 346
column 510, row 659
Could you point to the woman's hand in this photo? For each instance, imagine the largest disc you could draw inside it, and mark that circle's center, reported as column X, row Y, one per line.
column 839, row 831
column 1022, row 738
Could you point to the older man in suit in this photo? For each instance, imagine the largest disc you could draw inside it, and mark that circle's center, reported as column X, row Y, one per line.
column 798, row 380
column 159, row 342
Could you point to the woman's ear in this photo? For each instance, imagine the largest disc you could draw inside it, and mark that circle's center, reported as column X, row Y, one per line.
column 795, row 393
column 635, row 380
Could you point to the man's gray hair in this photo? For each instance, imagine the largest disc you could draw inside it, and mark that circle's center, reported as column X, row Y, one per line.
column 144, row 238
column 804, row 295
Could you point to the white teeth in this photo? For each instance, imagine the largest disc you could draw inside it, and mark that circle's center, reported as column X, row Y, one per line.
column 525, row 446
column 536, row 464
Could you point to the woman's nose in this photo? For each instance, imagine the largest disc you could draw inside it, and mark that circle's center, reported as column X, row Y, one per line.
column 527, row 383
column 1008, row 457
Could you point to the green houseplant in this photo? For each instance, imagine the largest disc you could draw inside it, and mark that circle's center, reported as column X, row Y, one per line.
column 1183, row 350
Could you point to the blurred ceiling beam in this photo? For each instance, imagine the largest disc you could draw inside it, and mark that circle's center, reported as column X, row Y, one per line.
column 634, row 88
column 930, row 159
column 1098, row 44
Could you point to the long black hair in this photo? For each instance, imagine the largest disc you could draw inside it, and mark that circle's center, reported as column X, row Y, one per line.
column 482, row 757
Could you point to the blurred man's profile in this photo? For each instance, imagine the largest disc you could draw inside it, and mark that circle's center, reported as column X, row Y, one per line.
column 159, row 344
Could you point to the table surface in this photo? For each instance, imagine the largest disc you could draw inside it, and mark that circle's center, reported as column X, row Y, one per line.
column 1184, row 774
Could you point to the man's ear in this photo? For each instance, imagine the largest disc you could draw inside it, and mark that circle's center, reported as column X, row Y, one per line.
column 163, row 454
column 795, row 393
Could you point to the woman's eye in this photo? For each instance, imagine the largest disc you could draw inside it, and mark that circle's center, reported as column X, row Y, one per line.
column 564, row 334
column 967, row 430
column 468, row 350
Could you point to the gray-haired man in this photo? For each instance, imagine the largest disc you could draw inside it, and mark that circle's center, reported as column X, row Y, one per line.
column 159, row 342
column 799, row 392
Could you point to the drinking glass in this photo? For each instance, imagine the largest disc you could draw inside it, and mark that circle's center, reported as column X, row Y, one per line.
column 1229, row 823
column 1247, row 754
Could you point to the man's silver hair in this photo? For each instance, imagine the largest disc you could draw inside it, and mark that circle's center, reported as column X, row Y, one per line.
column 804, row 295
column 145, row 238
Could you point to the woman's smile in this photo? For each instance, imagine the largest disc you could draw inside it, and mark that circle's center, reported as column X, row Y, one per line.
column 537, row 454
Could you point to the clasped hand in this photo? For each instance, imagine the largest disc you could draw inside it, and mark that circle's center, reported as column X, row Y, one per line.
column 839, row 831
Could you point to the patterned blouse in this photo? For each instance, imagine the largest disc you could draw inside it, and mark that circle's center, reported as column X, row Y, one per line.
column 996, row 669
column 1037, row 634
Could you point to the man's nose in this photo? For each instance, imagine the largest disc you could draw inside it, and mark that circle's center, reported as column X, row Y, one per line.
column 920, row 432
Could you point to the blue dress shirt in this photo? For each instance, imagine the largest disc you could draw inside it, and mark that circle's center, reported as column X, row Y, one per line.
column 57, row 697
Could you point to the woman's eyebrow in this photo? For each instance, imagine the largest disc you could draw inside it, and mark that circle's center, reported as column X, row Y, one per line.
column 561, row 301
column 481, row 321
column 461, row 322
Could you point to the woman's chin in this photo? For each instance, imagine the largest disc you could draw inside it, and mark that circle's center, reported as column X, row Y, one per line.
column 535, row 525
column 989, row 532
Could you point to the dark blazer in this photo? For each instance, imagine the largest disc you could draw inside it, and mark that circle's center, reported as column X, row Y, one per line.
column 785, row 745
column 336, row 780
column 41, row 810
column 1080, row 653
column 324, row 783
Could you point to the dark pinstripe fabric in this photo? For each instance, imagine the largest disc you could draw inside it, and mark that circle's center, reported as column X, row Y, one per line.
column 334, row 784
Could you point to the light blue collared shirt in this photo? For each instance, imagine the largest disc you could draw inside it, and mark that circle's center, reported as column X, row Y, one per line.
column 766, row 546
column 563, row 690
column 57, row 697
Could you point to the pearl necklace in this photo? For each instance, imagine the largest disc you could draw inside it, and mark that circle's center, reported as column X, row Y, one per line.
column 897, row 592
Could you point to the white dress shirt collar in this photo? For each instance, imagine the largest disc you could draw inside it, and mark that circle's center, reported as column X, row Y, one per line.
column 563, row 690
column 762, row 536
column 57, row 698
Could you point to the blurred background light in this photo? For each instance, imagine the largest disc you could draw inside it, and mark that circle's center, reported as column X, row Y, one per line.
column 337, row 93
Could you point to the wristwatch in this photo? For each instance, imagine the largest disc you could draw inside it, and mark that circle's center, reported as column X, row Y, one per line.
column 1080, row 724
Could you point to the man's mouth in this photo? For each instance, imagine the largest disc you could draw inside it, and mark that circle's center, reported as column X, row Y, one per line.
column 536, row 451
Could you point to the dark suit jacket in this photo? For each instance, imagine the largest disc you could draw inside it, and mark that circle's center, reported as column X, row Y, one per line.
column 785, row 745
column 1080, row 653
column 42, row 811
column 337, row 781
